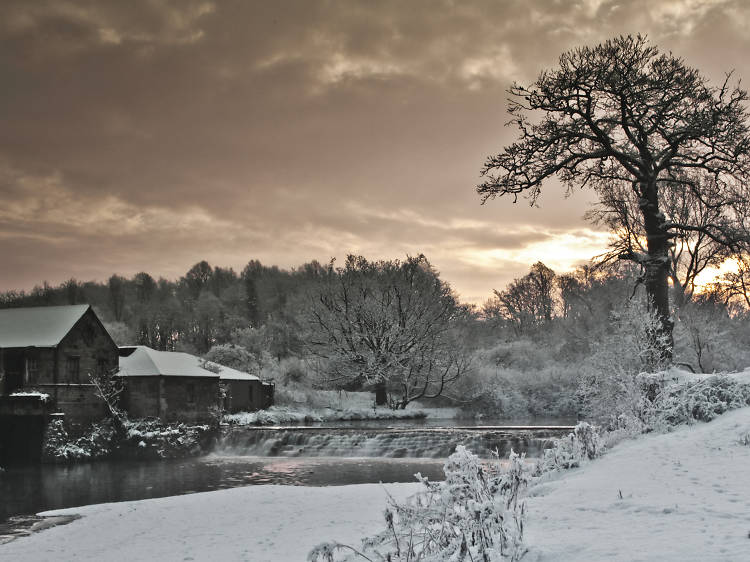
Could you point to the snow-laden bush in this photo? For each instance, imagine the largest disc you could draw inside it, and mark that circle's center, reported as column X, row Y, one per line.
column 698, row 400
column 59, row 446
column 498, row 391
column 154, row 439
column 475, row 514
column 611, row 384
column 584, row 443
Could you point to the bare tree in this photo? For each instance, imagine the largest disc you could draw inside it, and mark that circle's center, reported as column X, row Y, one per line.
column 693, row 249
column 386, row 324
column 108, row 387
column 623, row 115
column 529, row 301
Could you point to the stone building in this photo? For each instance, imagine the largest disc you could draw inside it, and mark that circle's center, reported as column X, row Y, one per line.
column 46, row 356
column 175, row 386
column 168, row 385
column 48, row 352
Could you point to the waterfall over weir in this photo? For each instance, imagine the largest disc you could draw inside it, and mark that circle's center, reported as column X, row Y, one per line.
column 390, row 442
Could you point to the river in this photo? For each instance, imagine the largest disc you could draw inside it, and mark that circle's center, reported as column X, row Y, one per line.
column 322, row 455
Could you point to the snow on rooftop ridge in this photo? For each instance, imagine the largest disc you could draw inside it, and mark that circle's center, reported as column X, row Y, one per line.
column 38, row 326
column 145, row 362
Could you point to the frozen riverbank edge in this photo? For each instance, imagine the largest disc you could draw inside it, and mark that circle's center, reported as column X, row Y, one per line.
column 685, row 496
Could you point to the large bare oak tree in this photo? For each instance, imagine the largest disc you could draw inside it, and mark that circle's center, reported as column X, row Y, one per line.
column 635, row 124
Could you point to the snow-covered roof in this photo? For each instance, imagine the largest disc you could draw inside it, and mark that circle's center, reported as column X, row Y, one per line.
column 147, row 362
column 38, row 326
column 229, row 374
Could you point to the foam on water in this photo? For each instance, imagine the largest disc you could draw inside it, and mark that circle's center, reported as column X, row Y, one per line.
column 382, row 442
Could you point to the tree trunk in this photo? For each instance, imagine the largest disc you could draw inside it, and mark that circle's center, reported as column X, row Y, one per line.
column 657, row 267
column 381, row 395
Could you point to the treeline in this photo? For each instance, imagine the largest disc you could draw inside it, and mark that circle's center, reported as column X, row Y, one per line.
column 537, row 347
column 203, row 308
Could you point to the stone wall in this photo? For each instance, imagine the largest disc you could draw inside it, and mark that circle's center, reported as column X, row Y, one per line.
column 172, row 399
column 190, row 399
column 141, row 397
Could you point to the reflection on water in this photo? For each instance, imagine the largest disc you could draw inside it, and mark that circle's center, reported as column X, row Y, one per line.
column 25, row 491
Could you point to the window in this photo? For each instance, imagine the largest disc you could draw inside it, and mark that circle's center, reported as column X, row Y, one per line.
column 190, row 389
column 32, row 369
column 72, row 369
column 102, row 366
column 250, row 394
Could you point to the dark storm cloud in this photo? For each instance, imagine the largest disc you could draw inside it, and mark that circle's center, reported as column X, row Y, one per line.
column 149, row 135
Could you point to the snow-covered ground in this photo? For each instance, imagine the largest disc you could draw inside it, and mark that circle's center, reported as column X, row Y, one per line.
column 254, row 524
column 685, row 497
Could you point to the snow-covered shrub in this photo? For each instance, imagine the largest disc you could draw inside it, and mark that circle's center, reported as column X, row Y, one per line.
column 153, row 439
column 475, row 514
column 509, row 392
column 611, row 384
column 699, row 400
column 582, row 444
column 97, row 441
column 622, row 428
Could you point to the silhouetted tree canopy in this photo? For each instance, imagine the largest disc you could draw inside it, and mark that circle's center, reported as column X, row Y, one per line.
column 634, row 123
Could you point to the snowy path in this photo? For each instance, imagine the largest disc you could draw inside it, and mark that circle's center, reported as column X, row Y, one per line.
column 686, row 497
column 255, row 524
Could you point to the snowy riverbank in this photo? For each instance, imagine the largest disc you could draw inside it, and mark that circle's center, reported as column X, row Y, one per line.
column 685, row 496
column 253, row 524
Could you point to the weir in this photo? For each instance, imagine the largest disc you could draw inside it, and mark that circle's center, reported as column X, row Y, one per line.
column 386, row 442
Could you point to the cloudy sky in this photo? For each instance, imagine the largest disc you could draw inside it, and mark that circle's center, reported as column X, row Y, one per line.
column 150, row 135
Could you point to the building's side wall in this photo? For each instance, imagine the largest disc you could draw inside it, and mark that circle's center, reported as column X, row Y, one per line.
column 190, row 399
column 239, row 396
column 257, row 400
column 141, row 397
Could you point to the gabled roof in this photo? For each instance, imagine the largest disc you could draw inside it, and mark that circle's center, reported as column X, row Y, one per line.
column 38, row 326
column 147, row 362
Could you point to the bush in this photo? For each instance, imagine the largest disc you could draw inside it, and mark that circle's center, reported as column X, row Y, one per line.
column 701, row 400
column 475, row 514
column 151, row 439
column 612, row 384
column 510, row 393
column 59, row 446
column 583, row 443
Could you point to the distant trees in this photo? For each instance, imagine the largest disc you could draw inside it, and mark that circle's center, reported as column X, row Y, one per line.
column 386, row 324
column 648, row 133
column 528, row 301
column 116, row 296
